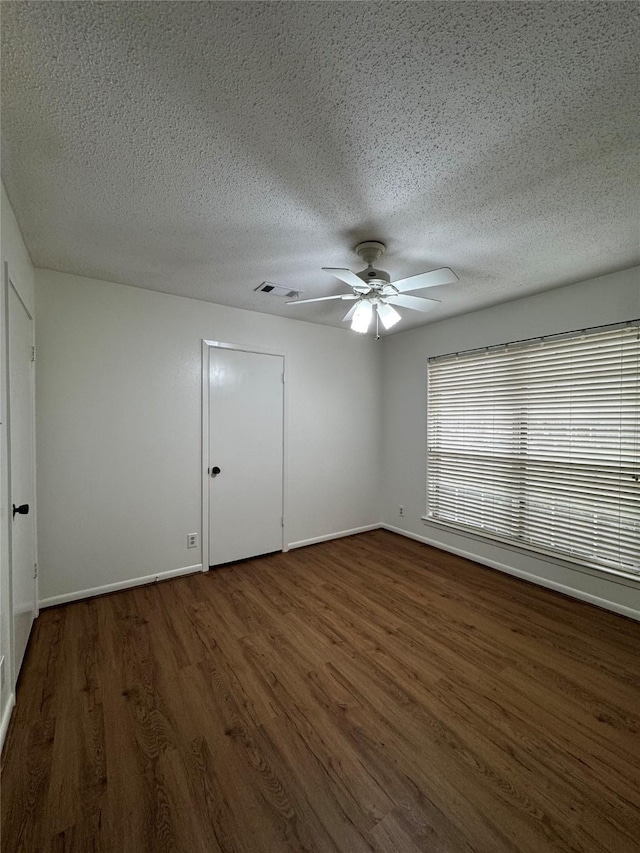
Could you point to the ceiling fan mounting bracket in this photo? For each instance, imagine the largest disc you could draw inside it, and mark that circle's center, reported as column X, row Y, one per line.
column 370, row 251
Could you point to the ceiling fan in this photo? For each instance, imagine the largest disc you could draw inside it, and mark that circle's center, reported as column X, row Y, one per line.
column 373, row 291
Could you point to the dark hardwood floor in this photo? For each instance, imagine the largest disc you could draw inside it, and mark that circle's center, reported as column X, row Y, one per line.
column 366, row 694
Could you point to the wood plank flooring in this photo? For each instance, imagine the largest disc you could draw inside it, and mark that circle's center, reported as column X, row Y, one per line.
column 365, row 694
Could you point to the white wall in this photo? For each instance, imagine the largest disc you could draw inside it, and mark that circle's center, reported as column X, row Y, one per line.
column 15, row 255
column 118, row 430
column 607, row 299
column 119, row 426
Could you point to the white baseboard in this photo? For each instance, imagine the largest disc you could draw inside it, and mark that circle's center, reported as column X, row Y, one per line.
column 519, row 573
column 115, row 587
column 303, row 542
column 6, row 717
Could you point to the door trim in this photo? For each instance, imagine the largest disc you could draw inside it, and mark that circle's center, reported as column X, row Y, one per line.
column 8, row 286
column 207, row 346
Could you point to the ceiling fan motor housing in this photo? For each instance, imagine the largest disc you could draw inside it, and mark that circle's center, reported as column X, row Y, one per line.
column 370, row 251
column 373, row 276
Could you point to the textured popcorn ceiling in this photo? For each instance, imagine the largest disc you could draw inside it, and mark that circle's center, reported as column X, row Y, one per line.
column 200, row 148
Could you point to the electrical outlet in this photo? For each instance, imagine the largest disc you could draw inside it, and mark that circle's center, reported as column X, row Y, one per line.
column 401, row 511
column 192, row 540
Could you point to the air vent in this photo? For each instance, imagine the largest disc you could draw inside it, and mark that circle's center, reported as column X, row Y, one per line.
column 277, row 290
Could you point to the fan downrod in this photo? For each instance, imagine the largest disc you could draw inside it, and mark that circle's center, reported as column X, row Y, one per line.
column 370, row 251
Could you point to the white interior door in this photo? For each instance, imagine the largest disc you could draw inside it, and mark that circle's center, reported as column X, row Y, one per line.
column 21, row 473
column 246, row 395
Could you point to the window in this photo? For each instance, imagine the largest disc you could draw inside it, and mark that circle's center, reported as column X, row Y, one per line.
column 537, row 443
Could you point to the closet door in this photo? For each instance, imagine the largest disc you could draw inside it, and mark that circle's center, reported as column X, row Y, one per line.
column 246, row 397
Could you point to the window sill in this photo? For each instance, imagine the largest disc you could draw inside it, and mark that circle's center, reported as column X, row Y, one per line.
column 624, row 578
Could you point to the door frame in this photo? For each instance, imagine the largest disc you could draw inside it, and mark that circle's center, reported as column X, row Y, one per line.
column 8, row 286
column 207, row 346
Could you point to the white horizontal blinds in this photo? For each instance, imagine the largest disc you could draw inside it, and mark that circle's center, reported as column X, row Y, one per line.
column 539, row 443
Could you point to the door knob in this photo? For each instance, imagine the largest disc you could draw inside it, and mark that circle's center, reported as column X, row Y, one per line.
column 215, row 471
column 23, row 509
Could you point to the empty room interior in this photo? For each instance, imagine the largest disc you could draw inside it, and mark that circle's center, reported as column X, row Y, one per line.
column 320, row 449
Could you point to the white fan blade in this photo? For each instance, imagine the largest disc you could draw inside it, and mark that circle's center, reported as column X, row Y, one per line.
column 323, row 298
column 416, row 303
column 426, row 279
column 347, row 276
column 350, row 313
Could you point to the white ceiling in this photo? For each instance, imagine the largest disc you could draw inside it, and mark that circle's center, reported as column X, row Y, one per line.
column 200, row 148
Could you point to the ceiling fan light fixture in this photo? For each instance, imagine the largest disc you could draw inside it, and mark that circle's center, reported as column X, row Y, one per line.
column 362, row 317
column 388, row 314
